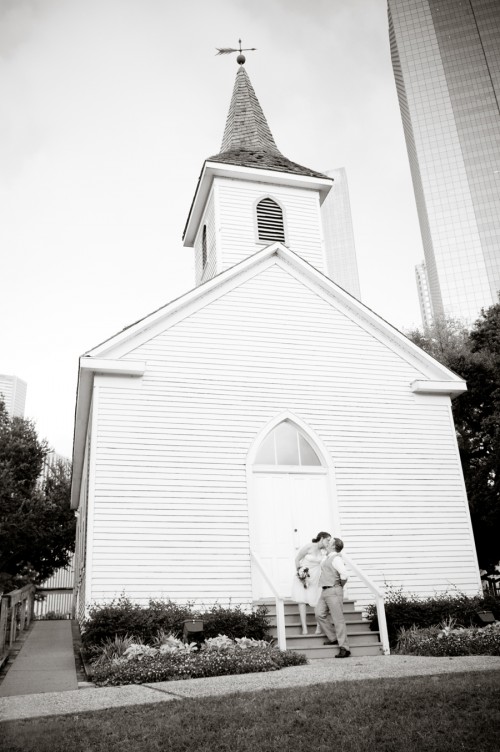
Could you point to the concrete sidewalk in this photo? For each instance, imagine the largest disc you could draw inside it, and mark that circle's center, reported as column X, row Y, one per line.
column 317, row 672
column 45, row 663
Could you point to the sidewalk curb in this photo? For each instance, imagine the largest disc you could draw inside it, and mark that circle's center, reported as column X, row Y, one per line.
column 323, row 671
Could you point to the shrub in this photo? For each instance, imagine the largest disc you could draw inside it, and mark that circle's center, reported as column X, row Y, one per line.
column 450, row 640
column 109, row 650
column 219, row 656
column 234, row 622
column 169, row 643
column 405, row 610
column 122, row 617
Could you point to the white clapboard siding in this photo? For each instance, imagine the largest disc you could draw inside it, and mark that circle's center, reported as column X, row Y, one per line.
column 54, row 603
column 62, row 578
column 57, row 592
column 235, row 217
column 202, row 274
column 169, row 488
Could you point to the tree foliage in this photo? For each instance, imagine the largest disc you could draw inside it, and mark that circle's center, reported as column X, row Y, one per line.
column 475, row 356
column 37, row 526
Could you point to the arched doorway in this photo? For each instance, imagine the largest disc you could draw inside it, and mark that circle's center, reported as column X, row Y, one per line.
column 289, row 502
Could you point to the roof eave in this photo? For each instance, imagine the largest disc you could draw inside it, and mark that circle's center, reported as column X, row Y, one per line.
column 255, row 174
column 88, row 368
column 436, row 374
column 434, row 386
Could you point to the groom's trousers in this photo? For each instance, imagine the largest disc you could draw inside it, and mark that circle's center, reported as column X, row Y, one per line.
column 330, row 604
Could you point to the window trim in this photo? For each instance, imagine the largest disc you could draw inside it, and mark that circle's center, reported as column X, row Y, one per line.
column 299, row 434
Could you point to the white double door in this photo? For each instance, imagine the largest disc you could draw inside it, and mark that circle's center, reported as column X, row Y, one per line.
column 287, row 510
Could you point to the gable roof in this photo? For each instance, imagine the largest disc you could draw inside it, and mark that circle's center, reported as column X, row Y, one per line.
column 109, row 356
column 247, row 140
column 276, row 253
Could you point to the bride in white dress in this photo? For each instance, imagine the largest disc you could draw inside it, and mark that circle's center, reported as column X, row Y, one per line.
column 309, row 556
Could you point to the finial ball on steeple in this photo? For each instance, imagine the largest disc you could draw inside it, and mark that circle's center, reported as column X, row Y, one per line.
column 241, row 59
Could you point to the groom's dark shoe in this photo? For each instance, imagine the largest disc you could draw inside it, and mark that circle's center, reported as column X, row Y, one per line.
column 331, row 642
column 343, row 653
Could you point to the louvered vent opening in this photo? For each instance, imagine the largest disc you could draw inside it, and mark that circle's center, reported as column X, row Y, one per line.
column 204, row 247
column 270, row 221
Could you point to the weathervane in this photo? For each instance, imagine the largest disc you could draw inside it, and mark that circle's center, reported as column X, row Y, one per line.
column 241, row 58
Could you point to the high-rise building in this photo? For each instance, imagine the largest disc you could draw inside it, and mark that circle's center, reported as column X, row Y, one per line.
column 424, row 297
column 13, row 393
column 339, row 236
column 446, row 61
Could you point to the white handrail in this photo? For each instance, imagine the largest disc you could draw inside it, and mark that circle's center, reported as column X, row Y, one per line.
column 280, row 604
column 379, row 602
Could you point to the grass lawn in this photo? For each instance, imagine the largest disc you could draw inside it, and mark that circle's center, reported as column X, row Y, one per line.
column 440, row 713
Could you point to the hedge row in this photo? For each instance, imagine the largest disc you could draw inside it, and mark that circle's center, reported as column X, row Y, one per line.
column 450, row 642
column 123, row 618
column 404, row 611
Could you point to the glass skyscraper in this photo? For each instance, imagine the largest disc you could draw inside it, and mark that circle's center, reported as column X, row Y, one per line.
column 424, row 297
column 446, row 61
column 13, row 394
column 336, row 216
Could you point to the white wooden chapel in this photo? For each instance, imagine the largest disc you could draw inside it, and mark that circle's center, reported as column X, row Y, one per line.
column 265, row 405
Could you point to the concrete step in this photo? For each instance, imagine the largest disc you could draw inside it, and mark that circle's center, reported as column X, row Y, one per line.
column 291, row 607
column 295, row 627
column 298, row 642
column 362, row 640
column 329, row 652
column 354, row 617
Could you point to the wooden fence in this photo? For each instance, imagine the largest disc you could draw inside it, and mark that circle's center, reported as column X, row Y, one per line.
column 16, row 613
column 491, row 585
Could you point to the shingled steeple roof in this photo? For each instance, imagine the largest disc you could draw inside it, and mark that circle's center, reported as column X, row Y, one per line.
column 248, row 141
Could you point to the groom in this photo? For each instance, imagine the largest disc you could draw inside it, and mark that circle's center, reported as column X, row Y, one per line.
column 332, row 580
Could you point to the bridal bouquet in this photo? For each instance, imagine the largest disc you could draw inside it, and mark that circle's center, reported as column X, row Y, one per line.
column 303, row 575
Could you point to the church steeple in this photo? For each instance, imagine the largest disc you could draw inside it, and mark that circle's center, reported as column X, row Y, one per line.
column 249, row 195
column 248, row 140
column 246, row 125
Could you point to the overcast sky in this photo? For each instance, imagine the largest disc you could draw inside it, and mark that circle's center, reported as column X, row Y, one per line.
column 108, row 109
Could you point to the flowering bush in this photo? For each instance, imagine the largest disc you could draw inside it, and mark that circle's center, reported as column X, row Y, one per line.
column 247, row 642
column 166, row 642
column 139, row 651
column 450, row 640
column 221, row 643
column 185, row 647
column 221, row 657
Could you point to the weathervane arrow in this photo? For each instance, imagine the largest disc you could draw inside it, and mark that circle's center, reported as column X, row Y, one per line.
column 227, row 50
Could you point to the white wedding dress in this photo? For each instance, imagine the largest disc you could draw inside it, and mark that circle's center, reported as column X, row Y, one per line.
column 311, row 593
